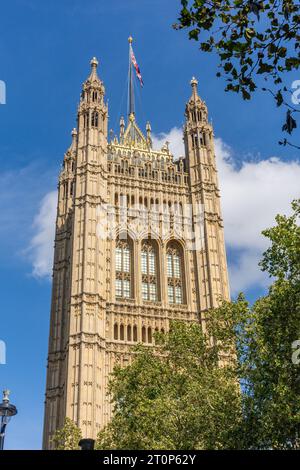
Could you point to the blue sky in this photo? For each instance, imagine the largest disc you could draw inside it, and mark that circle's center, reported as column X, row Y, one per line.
column 45, row 49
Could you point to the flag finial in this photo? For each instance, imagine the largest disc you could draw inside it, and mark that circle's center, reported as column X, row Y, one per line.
column 130, row 39
column 94, row 62
column 194, row 81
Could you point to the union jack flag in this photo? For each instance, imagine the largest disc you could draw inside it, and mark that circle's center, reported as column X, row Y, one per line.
column 135, row 64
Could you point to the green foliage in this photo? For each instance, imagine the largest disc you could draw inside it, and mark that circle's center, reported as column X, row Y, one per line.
column 272, row 395
column 67, row 437
column 282, row 259
column 174, row 396
column 252, row 38
column 272, row 392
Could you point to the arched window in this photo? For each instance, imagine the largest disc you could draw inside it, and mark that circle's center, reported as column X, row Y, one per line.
column 149, row 335
column 123, row 269
column 202, row 138
column 86, row 120
column 175, row 274
column 122, row 332
column 95, row 119
column 149, row 271
column 144, row 334
column 195, row 140
column 134, row 333
column 116, row 331
column 129, row 333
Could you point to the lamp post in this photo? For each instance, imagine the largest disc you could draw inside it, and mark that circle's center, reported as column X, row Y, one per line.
column 6, row 412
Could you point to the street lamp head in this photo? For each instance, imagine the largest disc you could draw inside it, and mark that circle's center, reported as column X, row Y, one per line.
column 6, row 394
column 6, row 408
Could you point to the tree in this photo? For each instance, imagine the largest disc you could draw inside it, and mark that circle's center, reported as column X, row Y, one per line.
column 270, row 380
column 253, row 39
column 273, row 379
column 175, row 396
column 67, row 437
column 272, row 396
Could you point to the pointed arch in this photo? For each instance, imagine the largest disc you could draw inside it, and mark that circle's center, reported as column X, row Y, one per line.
column 135, row 335
column 175, row 273
column 124, row 268
column 150, row 270
column 116, row 331
column 95, row 119
column 122, row 332
column 129, row 336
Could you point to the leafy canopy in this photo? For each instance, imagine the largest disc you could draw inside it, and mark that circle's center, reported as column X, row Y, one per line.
column 174, row 396
column 253, row 39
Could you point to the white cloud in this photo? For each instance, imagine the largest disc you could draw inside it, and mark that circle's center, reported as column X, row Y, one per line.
column 253, row 194
column 21, row 202
column 244, row 271
column 41, row 245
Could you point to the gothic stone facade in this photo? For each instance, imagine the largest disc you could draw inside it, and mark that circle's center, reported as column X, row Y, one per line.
column 115, row 284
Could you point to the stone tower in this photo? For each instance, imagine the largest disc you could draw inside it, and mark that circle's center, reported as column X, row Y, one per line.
column 139, row 242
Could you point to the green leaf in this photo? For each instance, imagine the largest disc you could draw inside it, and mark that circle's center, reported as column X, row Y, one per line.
column 246, row 94
column 194, row 34
column 279, row 98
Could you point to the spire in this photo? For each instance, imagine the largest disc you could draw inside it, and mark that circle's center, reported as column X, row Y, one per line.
column 73, row 145
column 196, row 109
column 148, row 131
column 92, row 89
column 94, row 64
column 122, row 129
column 74, row 139
column 71, row 152
column 130, row 82
column 194, row 84
column 93, row 80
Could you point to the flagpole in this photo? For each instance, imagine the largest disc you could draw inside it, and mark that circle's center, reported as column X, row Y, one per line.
column 130, row 84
